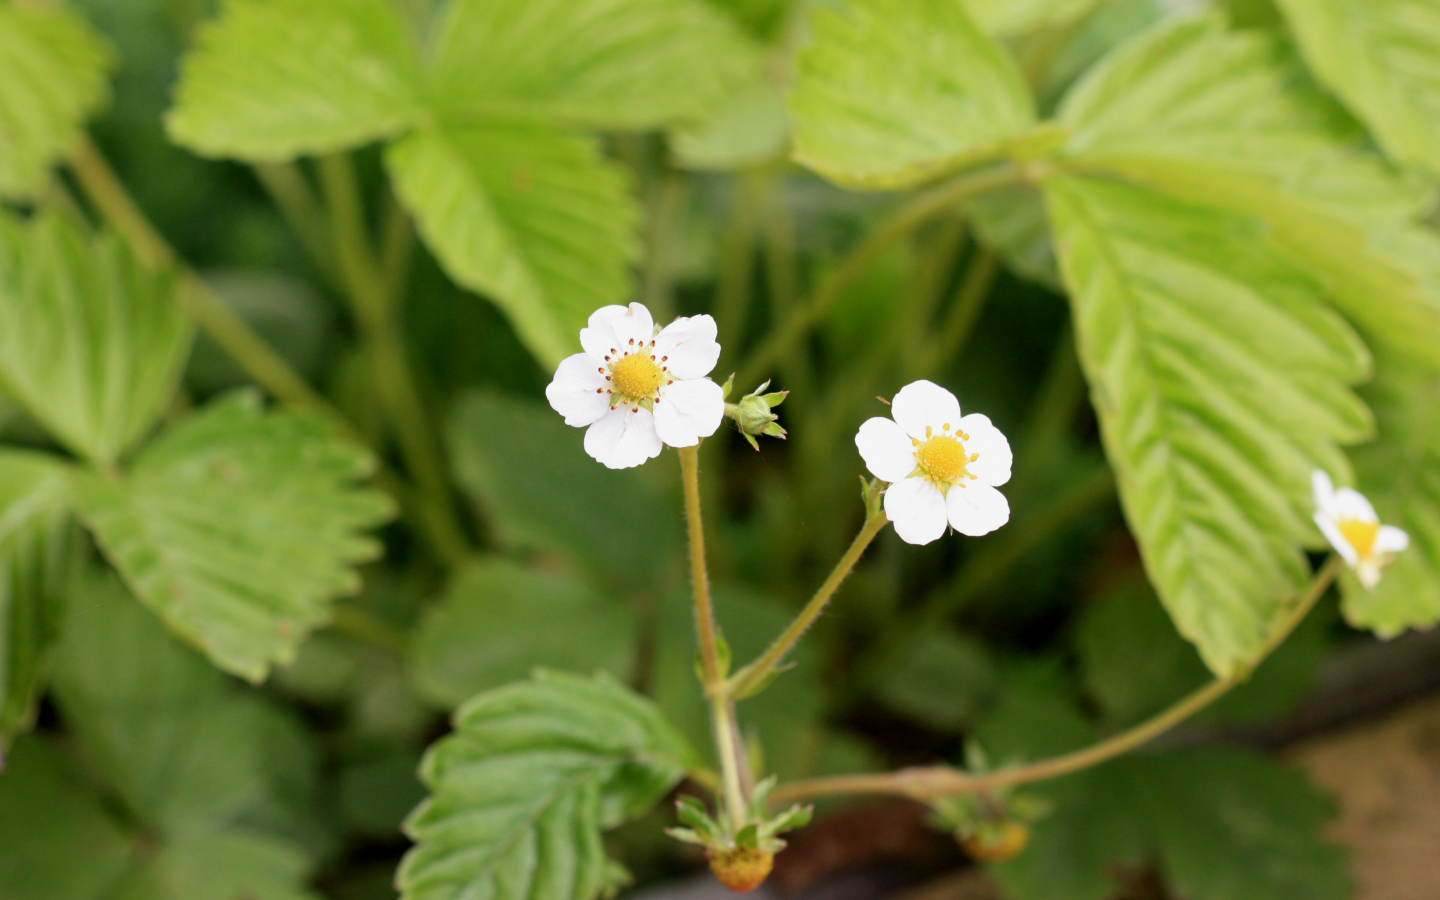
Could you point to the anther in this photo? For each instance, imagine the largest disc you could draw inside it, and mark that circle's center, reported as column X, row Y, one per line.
column 663, row 358
column 607, row 377
column 601, row 370
column 632, row 341
column 599, row 390
column 947, row 426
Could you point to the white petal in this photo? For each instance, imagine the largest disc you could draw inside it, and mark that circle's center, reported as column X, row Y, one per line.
column 887, row 452
column 923, row 403
column 572, row 392
column 917, row 508
column 1391, row 540
column 688, row 411
column 689, row 344
column 1324, row 490
column 1351, row 504
column 612, row 328
column 622, row 439
column 976, row 508
column 1337, row 540
column 993, row 466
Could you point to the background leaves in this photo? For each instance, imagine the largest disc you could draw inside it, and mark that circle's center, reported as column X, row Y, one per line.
column 54, row 67
column 238, row 528
column 522, row 790
column 91, row 342
column 879, row 100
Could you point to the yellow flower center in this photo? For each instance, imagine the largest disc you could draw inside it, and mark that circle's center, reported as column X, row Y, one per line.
column 636, row 375
column 1360, row 535
column 943, row 456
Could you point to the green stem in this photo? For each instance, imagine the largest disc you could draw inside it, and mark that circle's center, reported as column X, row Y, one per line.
column 904, row 221
column 964, row 312
column 228, row 330
column 752, row 676
column 370, row 298
column 722, row 714
column 782, row 277
column 291, row 194
column 737, row 255
column 928, row 783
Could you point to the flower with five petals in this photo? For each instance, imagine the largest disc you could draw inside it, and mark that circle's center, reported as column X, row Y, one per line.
column 943, row 468
column 636, row 388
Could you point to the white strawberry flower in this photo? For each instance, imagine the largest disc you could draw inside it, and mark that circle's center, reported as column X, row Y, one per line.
column 637, row 389
column 942, row 467
column 1350, row 524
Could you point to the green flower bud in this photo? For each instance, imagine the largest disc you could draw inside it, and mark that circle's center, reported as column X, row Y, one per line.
column 753, row 414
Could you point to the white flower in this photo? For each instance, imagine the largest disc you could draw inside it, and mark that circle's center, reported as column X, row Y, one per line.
column 1350, row 524
column 637, row 389
column 941, row 467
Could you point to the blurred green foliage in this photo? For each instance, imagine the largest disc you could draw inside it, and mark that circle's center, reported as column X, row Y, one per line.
column 1180, row 258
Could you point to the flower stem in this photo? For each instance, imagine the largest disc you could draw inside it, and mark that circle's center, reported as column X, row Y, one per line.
column 374, row 305
column 928, row 783
column 750, row 677
column 904, row 221
column 964, row 311
column 722, row 714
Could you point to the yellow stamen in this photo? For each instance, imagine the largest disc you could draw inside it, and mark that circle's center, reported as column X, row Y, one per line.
column 1359, row 534
column 944, row 459
column 637, row 375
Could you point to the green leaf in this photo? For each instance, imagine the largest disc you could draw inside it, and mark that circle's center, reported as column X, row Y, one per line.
column 522, row 790
column 626, row 64
column 1232, row 825
column 749, row 126
column 1225, row 824
column 1223, row 120
column 1220, row 381
column 1400, row 473
column 1013, row 17
column 943, row 681
column 1382, row 57
column 91, row 342
column 238, row 527
column 223, row 866
column 275, row 79
column 1074, row 852
column 183, row 746
column 498, row 620
column 1134, row 664
column 525, row 467
column 48, row 822
column 536, row 220
column 35, row 534
column 888, row 95
column 1012, row 221
column 54, row 68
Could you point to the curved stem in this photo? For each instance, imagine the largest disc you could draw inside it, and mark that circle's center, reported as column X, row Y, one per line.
column 939, row 781
column 904, row 221
column 753, row 675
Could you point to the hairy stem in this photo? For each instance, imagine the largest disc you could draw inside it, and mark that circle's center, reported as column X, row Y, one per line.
column 900, row 224
column 750, row 677
column 291, row 194
column 938, row 781
column 722, row 712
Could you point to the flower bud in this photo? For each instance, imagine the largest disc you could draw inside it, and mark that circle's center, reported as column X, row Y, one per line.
column 753, row 414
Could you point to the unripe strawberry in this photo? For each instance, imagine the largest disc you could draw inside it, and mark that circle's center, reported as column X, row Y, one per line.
column 741, row 869
column 997, row 843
